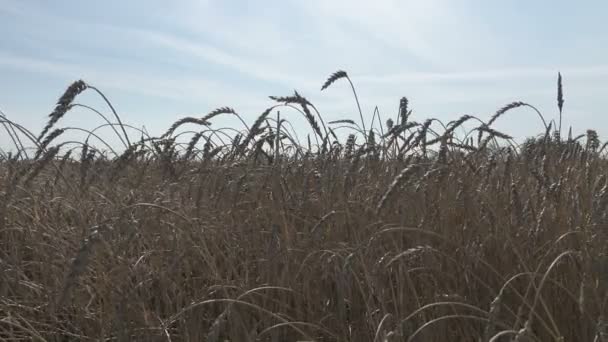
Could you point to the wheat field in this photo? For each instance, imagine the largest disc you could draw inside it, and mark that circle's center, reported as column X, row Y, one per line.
column 400, row 231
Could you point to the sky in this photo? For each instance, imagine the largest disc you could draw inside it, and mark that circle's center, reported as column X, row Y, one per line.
column 158, row 61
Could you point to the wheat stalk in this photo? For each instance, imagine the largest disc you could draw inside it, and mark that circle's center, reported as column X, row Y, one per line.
column 63, row 105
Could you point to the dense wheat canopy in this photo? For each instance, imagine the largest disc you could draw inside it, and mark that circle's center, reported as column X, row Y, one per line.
column 357, row 232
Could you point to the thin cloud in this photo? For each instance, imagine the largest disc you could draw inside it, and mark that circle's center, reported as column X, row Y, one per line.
column 212, row 54
column 497, row 75
column 170, row 87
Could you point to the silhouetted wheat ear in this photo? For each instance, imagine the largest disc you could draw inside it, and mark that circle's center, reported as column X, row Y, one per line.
column 285, row 99
column 183, row 121
column 255, row 128
column 452, row 127
column 216, row 112
column 333, row 78
column 304, row 103
column 505, row 109
column 311, row 119
column 403, row 110
column 560, row 100
column 389, row 124
column 214, row 152
column 498, row 113
column 343, row 121
column 63, row 105
column 460, row 121
column 560, row 93
column 45, row 143
column 191, row 144
column 236, row 141
column 593, row 142
column 494, row 132
column 422, row 132
column 398, row 129
column 295, row 98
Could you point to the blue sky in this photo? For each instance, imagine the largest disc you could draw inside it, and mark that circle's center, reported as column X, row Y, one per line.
column 158, row 61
